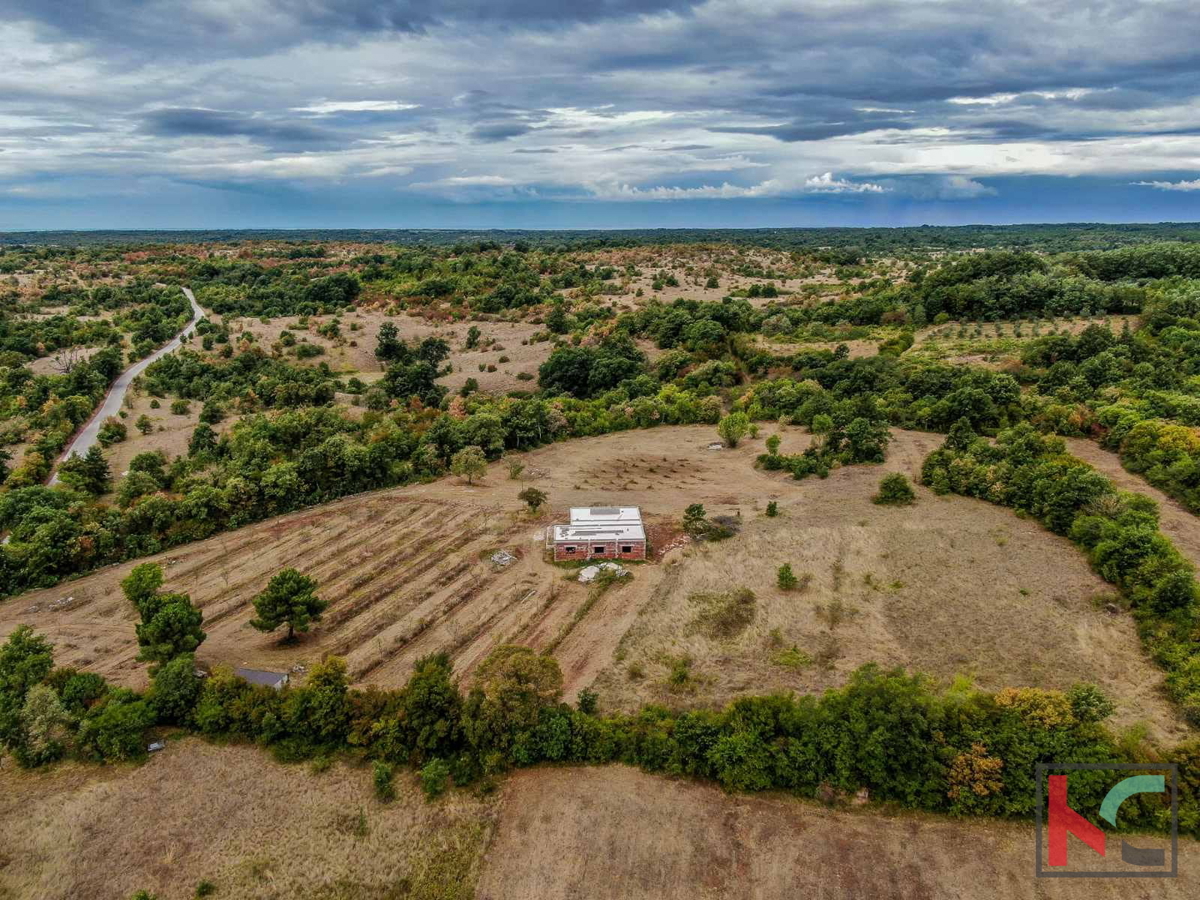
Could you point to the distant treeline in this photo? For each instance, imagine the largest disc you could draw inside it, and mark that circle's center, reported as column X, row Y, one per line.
column 1050, row 238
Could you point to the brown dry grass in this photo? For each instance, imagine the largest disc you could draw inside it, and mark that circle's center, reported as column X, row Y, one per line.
column 618, row 833
column 948, row 586
column 231, row 815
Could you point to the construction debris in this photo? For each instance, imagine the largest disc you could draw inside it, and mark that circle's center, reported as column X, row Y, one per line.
column 503, row 558
column 588, row 574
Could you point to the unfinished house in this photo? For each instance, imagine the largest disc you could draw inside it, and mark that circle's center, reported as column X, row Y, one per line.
column 600, row 532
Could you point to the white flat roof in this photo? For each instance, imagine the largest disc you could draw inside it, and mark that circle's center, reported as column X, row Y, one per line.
column 582, row 534
column 608, row 515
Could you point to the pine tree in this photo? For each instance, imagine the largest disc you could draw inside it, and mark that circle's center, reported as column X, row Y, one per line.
column 289, row 599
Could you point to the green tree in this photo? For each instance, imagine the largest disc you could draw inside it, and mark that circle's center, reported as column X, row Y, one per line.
column 289, row 599
column 175, row 690
column 390, row 348
column 695, row 520
column 469, row 462
column 143, row 424
column 46, row 726
column 113, row 730
column 88, row 473
column 785, row 578
column 772, row 509
column 142, row 584
column 773, row 443
column 204, row 440
column 511, row 688
column 533, row 498
column 170, row 626
column 733, row 428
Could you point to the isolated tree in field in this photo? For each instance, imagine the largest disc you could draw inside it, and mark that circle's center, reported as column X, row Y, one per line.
column 772, row 509
column 733, row 428
column 785, row 578
column 389, row 347
column 894, row 490
column 469, row 462
column 143, row 423
column 533, row 498
column 289, row 599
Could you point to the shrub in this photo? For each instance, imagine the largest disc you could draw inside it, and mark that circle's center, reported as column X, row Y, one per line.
column 435, row 778
column 785, row 578
column 733, row 428
column 772, row 509
column 533, row 498
column 515, row 468
column 180, row 407
column 894, row 490
column 724, row 615
column 588, row 701
column 381, row 777
column 113, row 431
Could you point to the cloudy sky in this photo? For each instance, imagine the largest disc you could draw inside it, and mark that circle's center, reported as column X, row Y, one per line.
column 606, row 113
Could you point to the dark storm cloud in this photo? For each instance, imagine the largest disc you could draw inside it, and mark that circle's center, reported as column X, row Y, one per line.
column 173, row 123
column 606, row 99
column 271, row 24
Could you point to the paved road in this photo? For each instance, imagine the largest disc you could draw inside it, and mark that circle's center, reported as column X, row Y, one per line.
column 116, row 394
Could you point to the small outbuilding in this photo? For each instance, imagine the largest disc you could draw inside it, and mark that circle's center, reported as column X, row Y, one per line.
column 274, row 680
column 600, row 532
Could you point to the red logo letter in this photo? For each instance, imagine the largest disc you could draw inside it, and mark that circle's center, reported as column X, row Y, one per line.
column 1064, row 820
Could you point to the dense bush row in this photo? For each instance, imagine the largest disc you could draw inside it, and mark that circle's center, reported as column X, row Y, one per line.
column 1119, row 531
column 963, row 752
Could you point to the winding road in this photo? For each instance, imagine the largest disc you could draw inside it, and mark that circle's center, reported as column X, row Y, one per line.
column 116, row 394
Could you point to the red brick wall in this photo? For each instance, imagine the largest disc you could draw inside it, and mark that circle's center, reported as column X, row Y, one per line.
column 612, row 550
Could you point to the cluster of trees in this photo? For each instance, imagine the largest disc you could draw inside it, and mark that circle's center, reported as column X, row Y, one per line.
column 51, row 407
column 245, row 288
column 270, row 464
column 960, row 752
column 1119, row 531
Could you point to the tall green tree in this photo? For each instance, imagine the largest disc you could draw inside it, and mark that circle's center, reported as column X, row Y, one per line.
column 289, row 599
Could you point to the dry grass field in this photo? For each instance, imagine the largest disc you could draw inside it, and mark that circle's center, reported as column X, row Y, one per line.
column 618, row 833
column 255, row 829
column 950, row 586
column 258, row 830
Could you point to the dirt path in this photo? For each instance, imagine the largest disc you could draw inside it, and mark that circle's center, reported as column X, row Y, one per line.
column 1177, row 523
column 116, row 394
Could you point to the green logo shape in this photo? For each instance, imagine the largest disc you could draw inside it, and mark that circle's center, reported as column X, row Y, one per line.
column 1126, row 788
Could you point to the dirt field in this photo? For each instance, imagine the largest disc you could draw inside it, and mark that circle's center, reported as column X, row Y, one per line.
column 230, row 815
column 949, row 586
column 258, row 830
column 618, row 833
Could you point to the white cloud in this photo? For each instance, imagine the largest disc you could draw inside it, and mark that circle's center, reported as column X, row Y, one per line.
column 825, row 183
column 328, row 107
column 1171, row 185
